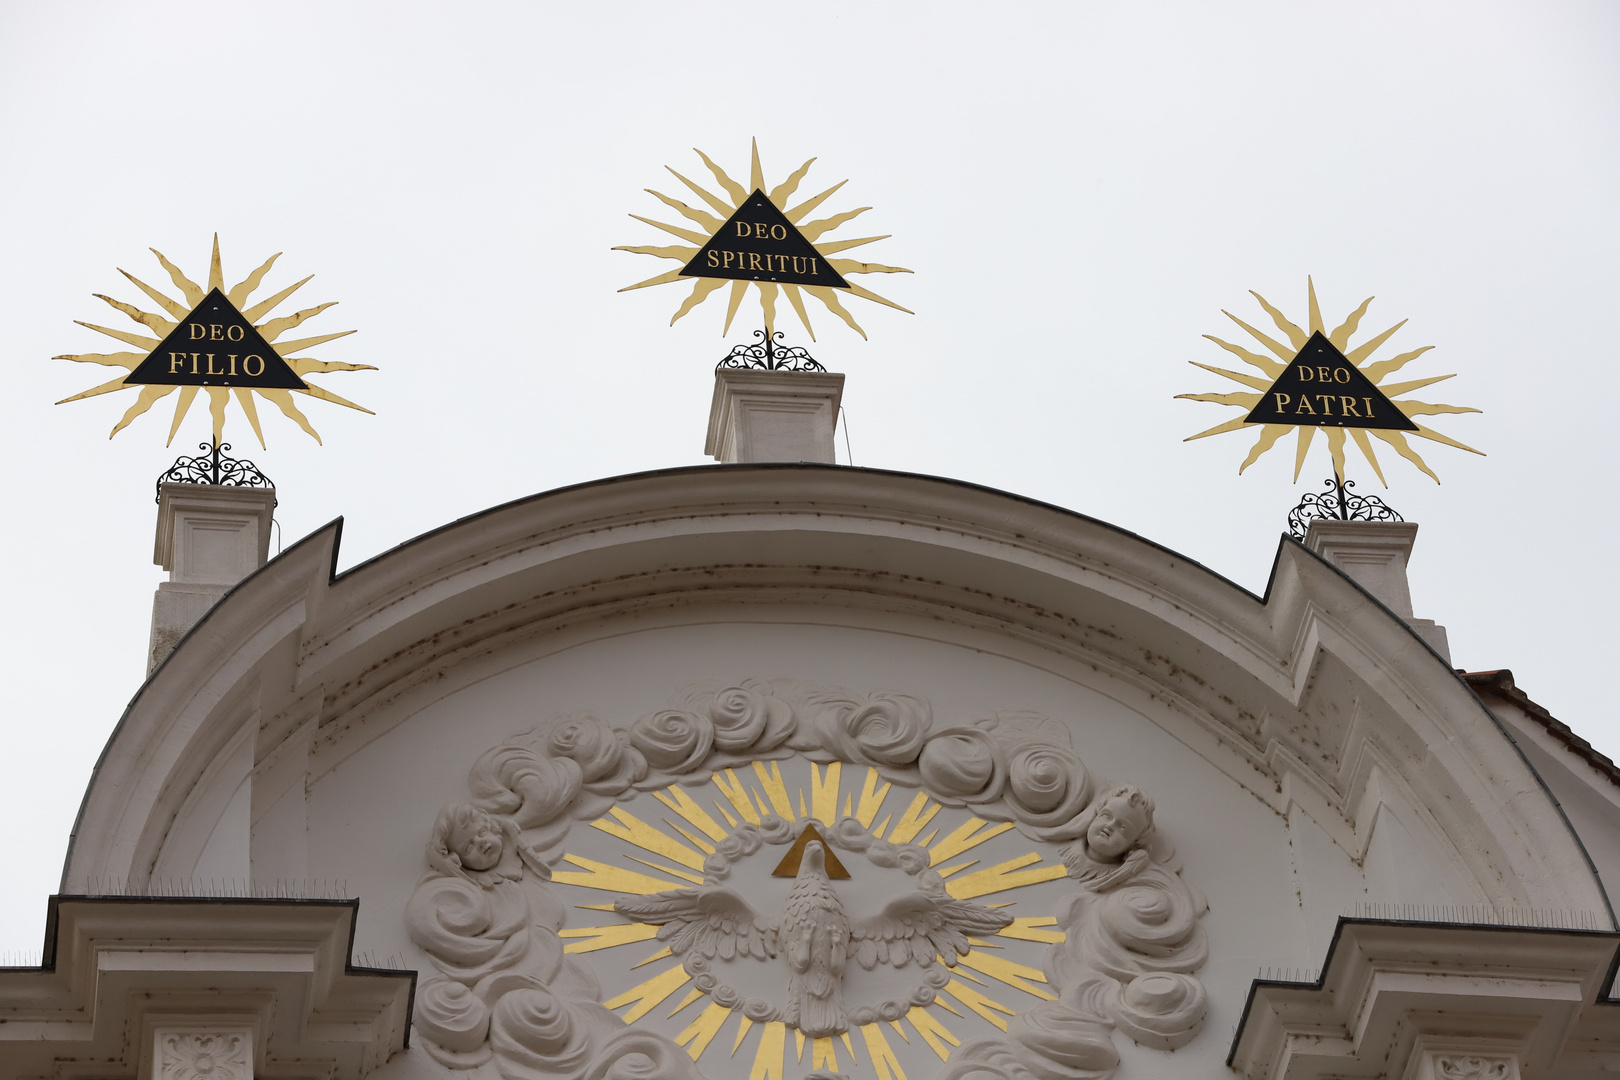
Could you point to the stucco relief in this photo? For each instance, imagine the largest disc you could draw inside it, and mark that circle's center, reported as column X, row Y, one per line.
column 509, row 1003
column 812, row 935
column 1471, row 1067
column 203, row 1055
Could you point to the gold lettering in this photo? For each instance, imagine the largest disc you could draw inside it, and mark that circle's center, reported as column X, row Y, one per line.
column 1327, row 403
column 1304, row 373
column 1347, row 407
column 233, row 333
column 247, row 365
column 714, row 257
column 232, row 358
column 211, row 370
column 175, row 360
column 729, row 256
column 1304, row 406
column 814, row 264
column 753, row 260
column 742, row 228
column 778, row 232
column 198, row 331
column 1282, row 401
column 797, row 269
column 760, row 230
column 1322, row 374
column 1368, row 400
column 1341, row 375
column 194, row 370
column 216, row 332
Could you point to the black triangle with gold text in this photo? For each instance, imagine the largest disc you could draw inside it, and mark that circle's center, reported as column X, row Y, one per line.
column 789, row 866
column 1320, row 387
column 759, row 243
column 216, row 346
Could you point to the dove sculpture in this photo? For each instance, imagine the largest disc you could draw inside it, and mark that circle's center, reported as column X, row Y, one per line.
column 814, row 935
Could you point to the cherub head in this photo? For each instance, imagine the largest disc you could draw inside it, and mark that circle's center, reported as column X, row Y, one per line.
column 467, row 837
column 1121, row 820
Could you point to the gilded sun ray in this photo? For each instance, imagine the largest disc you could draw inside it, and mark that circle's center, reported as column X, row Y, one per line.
column 751, row 807
column 213, row 339
column 1316, row 378
column 751, row 236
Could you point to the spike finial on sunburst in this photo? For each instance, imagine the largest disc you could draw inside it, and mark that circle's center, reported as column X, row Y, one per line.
column 212, row 339
column 1319, row 380
column 757, row 236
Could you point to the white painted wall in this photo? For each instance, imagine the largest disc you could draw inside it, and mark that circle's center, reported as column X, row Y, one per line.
column 1275, row 885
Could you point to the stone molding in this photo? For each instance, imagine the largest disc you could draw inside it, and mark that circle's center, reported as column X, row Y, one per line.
column 762, row 416
column 1233, row 676
column 255, row 987
column 209, row 537
column 1375, row 554
column 208, row 534
column 1439, row 1002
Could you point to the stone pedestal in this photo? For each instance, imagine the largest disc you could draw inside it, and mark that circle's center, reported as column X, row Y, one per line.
column 209, row 538
column 1374, row 555
column 773, row 416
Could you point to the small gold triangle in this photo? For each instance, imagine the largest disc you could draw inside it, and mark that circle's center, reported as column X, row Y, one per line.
column 789, row 866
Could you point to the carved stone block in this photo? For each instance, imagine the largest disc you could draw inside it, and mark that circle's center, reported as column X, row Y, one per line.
column 211, row 1054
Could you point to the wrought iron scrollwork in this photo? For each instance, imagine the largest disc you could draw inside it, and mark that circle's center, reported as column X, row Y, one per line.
column 213, row 467
column 768, row 355
column 1337, row 503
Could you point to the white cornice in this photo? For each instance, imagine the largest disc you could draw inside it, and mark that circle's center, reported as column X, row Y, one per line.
column 118, row 969
column 1401, row 999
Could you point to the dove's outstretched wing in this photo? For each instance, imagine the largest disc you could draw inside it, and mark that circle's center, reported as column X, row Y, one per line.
column 710, row 921
column 921, row 926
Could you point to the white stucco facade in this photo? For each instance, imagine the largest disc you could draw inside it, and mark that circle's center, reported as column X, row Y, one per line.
column 1305, row 756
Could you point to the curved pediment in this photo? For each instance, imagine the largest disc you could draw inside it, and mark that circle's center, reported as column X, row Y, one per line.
column 1304, row 749
column 1298, row 695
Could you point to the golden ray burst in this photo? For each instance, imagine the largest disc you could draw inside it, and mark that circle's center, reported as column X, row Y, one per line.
column 1282, row 356
column 176, row 312
column 721, row 207
column 671, row 850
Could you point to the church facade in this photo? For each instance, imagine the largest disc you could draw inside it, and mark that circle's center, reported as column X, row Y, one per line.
column 779, row 769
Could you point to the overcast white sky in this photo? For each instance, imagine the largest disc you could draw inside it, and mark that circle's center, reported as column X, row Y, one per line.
column 1080, row 187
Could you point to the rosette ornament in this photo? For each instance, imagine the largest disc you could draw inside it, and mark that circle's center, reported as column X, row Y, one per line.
column 453, row 1021
column 469, row 931
column 1055, row 1042
column 1048, row 788
column 749, row 718
column 1162, row 1009
column 524, row 784
column 884, row 730
column 673, row 741
column 608, row 764
column 536, row 1036
column 963, row 766
column 983, row 1059
column 640, row 1055
column 1151, row 923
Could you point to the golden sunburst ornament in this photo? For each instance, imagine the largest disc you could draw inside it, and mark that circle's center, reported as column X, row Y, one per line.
column 1319, row 380
column 214, row 340
column 738, row 826
column 754, row 236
